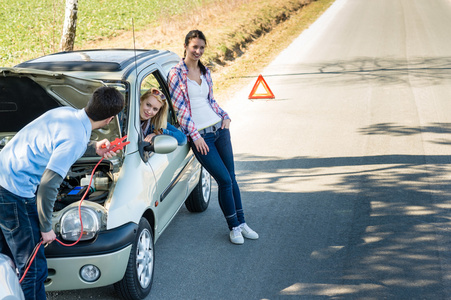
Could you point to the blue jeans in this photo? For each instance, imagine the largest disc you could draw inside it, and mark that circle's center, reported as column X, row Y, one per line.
column 220, row 164
column 19, row 234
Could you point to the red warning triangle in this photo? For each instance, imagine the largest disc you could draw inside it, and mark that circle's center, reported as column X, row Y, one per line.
column 257, row 94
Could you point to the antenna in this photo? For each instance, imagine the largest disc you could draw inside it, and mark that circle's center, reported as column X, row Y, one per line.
column 141, row 144
column 134, row 47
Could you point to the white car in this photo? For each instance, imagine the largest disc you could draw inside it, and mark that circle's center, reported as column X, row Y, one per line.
column 135, row 195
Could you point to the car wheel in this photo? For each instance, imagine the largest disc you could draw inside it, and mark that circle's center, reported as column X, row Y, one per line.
column 199, row 198
column 138, row 277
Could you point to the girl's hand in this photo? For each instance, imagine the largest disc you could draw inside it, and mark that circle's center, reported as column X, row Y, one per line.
column 226, row 123
column 201, row 146
column 149, row 137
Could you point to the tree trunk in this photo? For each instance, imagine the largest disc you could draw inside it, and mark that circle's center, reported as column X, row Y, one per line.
column 70, row 25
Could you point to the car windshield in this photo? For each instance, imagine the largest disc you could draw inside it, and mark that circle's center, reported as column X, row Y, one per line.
column 123, row 115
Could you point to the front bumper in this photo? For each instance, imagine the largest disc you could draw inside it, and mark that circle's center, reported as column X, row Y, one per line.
column 110, row 252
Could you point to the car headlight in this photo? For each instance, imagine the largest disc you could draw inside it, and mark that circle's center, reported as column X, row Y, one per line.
column 70, row 224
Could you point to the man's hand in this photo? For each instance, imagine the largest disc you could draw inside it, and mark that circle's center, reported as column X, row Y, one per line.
column 103, row 149
column 48, row 237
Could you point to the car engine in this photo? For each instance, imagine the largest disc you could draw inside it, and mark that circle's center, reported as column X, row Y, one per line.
column 76, row 183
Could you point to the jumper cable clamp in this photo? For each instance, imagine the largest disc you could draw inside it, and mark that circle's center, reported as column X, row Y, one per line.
column 118, row 144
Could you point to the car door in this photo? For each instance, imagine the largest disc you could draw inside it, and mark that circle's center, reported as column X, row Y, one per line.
column 172, row 171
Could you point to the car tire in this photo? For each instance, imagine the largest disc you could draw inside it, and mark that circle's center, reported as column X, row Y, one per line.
column 137, row 281
column 199, row 198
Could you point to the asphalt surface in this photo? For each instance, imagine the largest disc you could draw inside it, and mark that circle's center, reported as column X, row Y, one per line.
column 345, row 175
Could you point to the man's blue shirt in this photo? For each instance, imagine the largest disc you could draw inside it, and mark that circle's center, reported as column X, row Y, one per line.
column 53, row 141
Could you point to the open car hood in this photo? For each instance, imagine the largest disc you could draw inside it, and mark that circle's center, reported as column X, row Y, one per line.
column 25, row 94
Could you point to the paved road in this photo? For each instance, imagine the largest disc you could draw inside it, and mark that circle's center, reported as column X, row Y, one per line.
column 345, row 175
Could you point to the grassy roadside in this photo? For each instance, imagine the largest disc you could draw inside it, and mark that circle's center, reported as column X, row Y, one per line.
column 33, row 28
column 230, row 26
column 264, row 49
column 243, row 35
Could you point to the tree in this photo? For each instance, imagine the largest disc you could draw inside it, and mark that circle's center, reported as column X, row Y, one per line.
column 70, row 25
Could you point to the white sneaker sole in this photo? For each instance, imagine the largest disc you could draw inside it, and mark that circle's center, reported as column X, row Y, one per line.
column 251, row 236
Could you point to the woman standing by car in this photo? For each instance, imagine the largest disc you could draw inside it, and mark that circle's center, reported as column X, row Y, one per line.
column 207, row 127
column 153, row 113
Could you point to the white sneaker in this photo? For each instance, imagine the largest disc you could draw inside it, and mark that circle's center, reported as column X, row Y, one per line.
column 247, row 232
column 235, row 236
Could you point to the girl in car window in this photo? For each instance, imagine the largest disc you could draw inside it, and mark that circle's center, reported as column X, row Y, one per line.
column 153, row 113
column 207, row 127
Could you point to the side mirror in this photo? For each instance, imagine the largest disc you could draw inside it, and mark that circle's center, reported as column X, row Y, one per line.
column 161, row 144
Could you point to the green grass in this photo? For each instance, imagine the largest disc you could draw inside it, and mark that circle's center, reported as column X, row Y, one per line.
column 33, row 28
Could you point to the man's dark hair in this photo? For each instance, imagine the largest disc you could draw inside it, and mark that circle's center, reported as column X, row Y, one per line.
column 104, row 103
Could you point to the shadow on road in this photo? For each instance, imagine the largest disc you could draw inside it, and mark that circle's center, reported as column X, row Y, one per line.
column 423, row 71
column 378, row 228
column 384, row 232
column 400, row 130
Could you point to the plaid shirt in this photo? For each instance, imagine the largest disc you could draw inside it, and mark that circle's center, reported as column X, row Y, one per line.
column 178, row 89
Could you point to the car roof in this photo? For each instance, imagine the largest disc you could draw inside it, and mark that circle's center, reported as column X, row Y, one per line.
column 110, row 60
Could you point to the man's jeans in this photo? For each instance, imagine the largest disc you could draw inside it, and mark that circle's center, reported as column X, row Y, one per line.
column 19, row 234
column 220, row 164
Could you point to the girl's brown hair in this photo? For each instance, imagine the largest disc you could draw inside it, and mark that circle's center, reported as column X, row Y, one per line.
column 196, row 34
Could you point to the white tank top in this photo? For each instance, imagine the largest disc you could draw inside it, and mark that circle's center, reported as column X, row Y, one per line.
column 202, row 113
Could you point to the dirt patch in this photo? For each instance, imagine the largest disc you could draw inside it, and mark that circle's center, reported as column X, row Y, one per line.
column 230, row 26
column 243, row 35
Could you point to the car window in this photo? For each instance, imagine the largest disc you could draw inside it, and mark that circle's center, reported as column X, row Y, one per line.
column 154, row 80
column 149, row 82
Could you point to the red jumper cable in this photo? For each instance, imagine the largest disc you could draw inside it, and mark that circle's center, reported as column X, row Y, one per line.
column 118, row 144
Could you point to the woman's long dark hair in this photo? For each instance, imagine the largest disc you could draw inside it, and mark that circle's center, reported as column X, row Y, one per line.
column 192, row 35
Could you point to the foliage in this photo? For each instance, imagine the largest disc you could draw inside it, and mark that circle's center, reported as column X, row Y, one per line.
column 33, row 28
